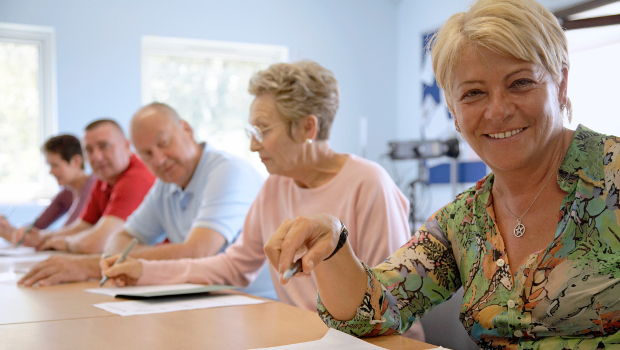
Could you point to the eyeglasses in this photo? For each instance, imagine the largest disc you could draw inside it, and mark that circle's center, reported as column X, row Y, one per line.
column 256, row 132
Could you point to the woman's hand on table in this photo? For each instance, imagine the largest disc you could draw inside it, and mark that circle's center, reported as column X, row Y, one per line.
column 124, row 274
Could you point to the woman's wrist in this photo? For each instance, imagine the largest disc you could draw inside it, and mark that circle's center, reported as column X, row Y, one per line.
column 344, row 233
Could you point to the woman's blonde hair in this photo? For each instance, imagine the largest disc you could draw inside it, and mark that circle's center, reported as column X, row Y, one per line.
column 523, row 29
column 301, row 89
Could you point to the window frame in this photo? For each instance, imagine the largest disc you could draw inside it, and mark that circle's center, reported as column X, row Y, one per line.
column 204, row 49
column 45, row 39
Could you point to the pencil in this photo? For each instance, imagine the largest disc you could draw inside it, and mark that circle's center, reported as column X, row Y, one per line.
column 120, row 258
column 21, row 240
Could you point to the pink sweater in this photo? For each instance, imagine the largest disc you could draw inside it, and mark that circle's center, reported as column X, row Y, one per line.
column 362, row 195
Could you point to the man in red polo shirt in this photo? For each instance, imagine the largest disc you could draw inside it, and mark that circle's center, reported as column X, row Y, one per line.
column 123, row 181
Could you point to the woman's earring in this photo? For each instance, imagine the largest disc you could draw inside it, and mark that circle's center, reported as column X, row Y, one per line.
column 562, row 109
column 457, row 127
column 309, row 141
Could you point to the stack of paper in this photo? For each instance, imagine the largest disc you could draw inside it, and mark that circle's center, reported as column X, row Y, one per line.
column 152, row 301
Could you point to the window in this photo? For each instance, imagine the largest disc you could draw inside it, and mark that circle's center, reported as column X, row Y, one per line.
column 27, row 111
column 206, row 82
column 593, row 78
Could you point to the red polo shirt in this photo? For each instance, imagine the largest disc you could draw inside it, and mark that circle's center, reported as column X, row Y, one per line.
column 122, row 198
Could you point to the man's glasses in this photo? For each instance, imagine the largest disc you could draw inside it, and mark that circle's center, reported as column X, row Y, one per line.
column 256, row 132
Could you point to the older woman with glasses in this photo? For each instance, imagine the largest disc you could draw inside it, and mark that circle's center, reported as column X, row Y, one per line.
column 290, row 121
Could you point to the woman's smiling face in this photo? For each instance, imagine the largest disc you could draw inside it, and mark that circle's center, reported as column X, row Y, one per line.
column 508, row 110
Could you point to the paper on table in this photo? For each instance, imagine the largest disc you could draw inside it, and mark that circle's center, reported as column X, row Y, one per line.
column 23, row 263
column 144, row 307
column 333, row 340
column 158, row 290
column 16, row 251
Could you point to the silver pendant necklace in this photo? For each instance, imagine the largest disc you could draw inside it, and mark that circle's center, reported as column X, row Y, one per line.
column 519, row 229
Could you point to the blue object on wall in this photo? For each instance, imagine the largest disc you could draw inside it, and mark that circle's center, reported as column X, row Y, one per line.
column 468, row 172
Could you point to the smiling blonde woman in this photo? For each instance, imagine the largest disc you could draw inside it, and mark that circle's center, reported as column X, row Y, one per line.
column 535, row 244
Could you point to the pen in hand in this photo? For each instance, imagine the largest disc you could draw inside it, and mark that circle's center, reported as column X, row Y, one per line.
column 293, row 270
column 120, row 258
column 21, row 240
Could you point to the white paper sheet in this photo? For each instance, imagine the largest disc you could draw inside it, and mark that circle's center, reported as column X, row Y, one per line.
column 144, row 307
column 16, row 251
column 112, row 291
column 333, row 340
column 13, row 266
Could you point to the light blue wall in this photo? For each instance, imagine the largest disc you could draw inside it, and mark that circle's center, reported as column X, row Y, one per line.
column 373, row 47
column 98, row 51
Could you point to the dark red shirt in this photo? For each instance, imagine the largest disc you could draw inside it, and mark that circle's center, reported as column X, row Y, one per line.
column 122, row 198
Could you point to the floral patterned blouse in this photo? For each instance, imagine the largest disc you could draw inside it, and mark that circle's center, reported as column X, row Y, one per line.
column 564, row 297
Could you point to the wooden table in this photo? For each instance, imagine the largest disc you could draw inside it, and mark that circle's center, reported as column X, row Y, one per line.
column 62, row 317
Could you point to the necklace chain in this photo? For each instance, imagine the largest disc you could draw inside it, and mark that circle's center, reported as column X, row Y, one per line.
column 519, row 229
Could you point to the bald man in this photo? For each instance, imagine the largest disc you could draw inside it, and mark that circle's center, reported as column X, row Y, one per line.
column 200, row 199
column 198, row 202
column 123, row 181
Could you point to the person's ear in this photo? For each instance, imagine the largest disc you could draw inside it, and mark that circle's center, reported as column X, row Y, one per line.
column 186, row 127
column 77, row 161
column 310, row 127
column 563, row 87
column 128, row 146
column 456, row 122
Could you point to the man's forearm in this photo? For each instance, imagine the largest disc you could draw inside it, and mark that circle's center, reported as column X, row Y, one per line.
column 93, row 240
column 172, row 251
column 200, row 242
column 84, row 243
column 65, row 231
column 91, row 266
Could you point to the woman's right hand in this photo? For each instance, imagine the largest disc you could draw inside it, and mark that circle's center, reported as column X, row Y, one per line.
column 124, row 274
column 316, row 234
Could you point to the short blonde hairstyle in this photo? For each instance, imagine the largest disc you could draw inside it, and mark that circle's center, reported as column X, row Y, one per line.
column 300, row 89
column 523, row 29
